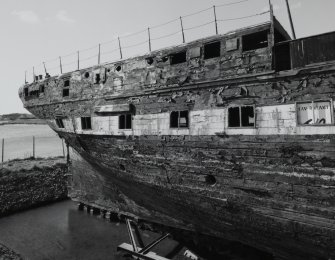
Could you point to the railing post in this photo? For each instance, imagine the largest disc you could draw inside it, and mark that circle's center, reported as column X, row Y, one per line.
column 60, row 65
column 215, row 20
column 149, row 39
column 120, row 47
column 182, row 29
column 99, row 55
column 3, row 150
column 45, row 69
column 34, row 73
column 34, row 147
column 78, row 60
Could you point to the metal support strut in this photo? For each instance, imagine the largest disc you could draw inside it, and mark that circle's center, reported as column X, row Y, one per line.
column 141, row 253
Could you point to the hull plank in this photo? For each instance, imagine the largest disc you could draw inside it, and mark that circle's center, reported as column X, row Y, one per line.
column 241, row 206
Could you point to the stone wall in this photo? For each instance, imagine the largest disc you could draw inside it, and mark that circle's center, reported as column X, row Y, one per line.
column 28, row 183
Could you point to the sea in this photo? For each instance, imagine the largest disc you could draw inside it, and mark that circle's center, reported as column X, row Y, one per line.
column 18, row 141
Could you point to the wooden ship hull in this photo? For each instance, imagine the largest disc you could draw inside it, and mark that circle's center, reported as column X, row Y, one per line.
column 239, row 145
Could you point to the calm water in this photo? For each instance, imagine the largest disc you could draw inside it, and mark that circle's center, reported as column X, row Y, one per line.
column 60, row 231
column 19, row 141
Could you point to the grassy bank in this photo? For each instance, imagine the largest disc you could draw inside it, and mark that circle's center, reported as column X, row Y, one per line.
column 31, row 182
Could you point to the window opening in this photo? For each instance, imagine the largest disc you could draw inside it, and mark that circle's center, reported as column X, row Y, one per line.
column 314, row 113
column 97, row 78
column 66, row 92
column 67, row 83
column 149, row 60
column 60, row 123
column 165, row 58
column 179, row 119
column 255, row 41
column 243, row 116
column 178, row 58
column 86, row 123
column 125, row 121
column 212, row 50
column 26, row 92
column 87, row 74
column 41, row 88
column 118, row 68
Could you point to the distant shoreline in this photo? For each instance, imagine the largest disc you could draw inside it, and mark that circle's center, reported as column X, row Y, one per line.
column 20, row 119
column 23, row 122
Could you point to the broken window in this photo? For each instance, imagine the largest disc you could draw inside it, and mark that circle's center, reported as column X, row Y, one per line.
column 314, row 113
column 125, row 121
column 242, row 116
column 212, row 50
column 255, row 41
column 86, row 123
column 178, row 58
column 59, row 123
column 179, row 119
column 66, row 92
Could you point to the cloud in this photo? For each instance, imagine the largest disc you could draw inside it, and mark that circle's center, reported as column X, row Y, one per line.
column 27, row 16
column 63, row 16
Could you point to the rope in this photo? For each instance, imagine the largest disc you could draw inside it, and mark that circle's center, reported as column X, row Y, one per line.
column 198, row 26
column 165, row 36
column 243, row 17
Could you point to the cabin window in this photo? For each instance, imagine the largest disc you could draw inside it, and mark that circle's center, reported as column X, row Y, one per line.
column 212, row 50
column 125, row 121
column 314, row 113
column 41, row 88
column 66, row 83
column 255, row 41
column 26, row 92
column 66, row 92
column 86, row 123
column 178, row 58
column 179, row 119
column 97, row 78
column 243, row 116
column 59, row 123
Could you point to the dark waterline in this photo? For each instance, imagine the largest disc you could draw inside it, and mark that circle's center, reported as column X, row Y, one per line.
column 60, row 231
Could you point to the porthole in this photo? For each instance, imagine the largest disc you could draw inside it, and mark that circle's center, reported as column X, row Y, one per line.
column 210, row 179
column 118, row 68
column 87, row 74
column 150, row 60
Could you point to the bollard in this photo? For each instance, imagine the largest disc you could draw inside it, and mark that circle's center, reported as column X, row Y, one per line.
column 108, row 215
column 3, row 150
column 92, row 211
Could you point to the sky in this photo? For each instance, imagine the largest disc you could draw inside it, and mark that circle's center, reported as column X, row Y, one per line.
column 37, row 31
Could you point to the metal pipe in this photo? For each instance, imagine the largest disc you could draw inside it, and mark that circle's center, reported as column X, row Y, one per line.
column 149, row 39
column 182, row 29
column 120, row 47
column 291, row 21
column 216, row 23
